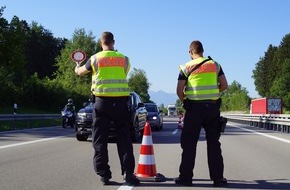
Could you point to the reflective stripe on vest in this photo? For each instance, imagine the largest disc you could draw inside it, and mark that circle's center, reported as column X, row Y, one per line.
column 202, row 96
column 110, row 69
column 107, row 90
column 213, row 87
column 202, row 83
column 98, row 82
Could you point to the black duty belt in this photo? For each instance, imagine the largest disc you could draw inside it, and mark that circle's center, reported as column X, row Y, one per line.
column 203, row 101
column 112, row 98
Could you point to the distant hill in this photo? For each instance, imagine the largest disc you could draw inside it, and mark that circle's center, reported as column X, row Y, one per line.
column 161, row 97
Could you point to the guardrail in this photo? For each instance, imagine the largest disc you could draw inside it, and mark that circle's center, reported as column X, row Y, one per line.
column 276, row 122
column 17, row 117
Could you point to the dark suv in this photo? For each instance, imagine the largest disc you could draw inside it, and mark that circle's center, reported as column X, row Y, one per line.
column 154, row 117
column 138, row 116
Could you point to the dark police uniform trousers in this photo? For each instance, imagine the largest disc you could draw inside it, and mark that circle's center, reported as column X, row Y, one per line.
column 108, row 110
column 199, row 114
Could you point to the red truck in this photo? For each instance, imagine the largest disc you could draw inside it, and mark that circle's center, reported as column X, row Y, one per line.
column 266, row 106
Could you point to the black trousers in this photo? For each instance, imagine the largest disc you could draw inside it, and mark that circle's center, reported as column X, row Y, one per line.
column 199, row 115
column 106, row 111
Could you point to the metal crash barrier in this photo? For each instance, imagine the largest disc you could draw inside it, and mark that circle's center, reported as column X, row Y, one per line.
column 276, row 122
column 9, row 117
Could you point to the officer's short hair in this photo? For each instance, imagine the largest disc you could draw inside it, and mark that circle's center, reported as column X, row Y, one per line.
column 196, row 47
column 107, row 38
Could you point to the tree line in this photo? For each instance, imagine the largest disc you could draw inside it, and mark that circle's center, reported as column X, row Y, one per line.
column 36, row 69
column 272, row 72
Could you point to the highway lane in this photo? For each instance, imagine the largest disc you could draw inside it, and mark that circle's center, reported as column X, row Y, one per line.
column 51, row 158
column 18, row 137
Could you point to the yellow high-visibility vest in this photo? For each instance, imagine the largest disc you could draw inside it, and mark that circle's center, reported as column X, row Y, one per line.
column 109, row 73
column 202, row 83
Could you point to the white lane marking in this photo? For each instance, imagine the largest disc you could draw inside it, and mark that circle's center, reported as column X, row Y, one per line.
column 29, row 142
column 265, row 135
column 125, row 187
column 175, row 131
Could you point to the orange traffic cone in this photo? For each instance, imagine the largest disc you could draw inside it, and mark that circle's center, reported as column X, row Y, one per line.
column 146, row 168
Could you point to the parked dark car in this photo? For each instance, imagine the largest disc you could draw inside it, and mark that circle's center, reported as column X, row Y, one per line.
column 154, row 117
column 138, row 116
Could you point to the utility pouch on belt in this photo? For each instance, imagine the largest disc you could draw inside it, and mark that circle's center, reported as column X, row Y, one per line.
column 185, row 104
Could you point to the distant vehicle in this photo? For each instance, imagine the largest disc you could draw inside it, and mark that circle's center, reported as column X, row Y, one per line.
column 154, row 117
column 171, row 110
column 266, row 106
column 137, row 120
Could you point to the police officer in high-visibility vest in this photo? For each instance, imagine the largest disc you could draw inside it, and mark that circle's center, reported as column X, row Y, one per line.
column 110, row 87
column 199, row 83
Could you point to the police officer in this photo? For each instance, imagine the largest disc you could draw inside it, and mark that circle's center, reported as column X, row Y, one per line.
column 109, row 85
column 199, row 83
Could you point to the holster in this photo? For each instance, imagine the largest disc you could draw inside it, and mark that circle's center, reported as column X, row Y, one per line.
column 219, row 103
column 186, row 104
column 222, row 124
column 93, row 98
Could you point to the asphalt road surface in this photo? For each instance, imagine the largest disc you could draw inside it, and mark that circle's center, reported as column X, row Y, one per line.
column 51, row 158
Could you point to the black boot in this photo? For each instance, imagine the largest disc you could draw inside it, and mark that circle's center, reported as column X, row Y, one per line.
column 220, row 183
column 179, row 181
column 131, row 179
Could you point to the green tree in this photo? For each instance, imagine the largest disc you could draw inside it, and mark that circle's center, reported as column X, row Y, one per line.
column 282, row 53
column 77, row 87
column 281, row 86
column 271, row 73
column 12, row 58
column 41, row 50
column 14, row 52
column 265, row 73
column 138, row 82
column 235, row 98
column 162, row 108
column 3, row 33
column 6, row 79
column 179, row 105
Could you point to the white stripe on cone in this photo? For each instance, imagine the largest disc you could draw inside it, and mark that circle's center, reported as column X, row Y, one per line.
column 147, row 140
column 146, row 159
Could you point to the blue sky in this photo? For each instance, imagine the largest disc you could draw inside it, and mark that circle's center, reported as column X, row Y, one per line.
column 155, row 35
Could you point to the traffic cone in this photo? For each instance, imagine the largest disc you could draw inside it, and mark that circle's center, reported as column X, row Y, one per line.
column 146, row 170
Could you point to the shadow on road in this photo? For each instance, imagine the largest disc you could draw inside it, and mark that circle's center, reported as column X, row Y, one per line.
column 259, row 184
column 232, row 184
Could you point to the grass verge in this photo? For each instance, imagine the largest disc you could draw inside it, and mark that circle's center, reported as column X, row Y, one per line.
column 27, row 124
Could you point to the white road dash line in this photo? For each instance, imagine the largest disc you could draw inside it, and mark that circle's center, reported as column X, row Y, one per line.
column 125, row 187
column 175, row 131
column 265, row 135
column 29, row 142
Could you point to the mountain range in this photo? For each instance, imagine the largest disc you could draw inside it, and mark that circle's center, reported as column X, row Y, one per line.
column 161, row 97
